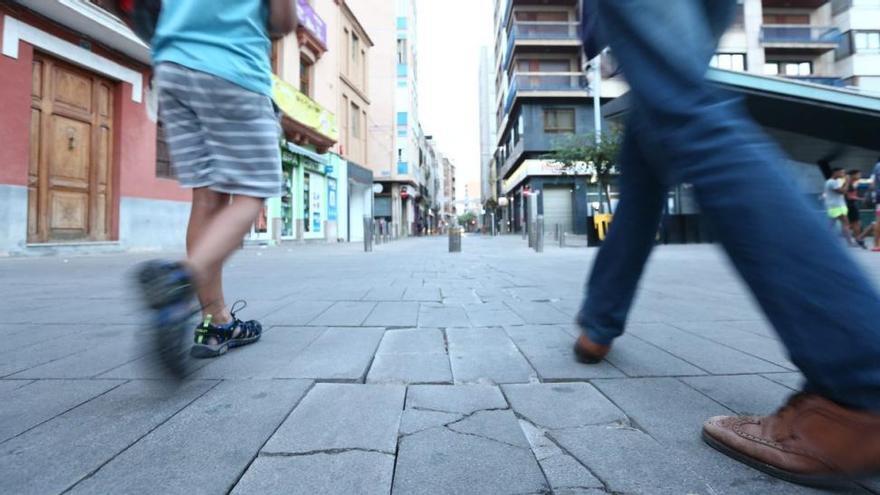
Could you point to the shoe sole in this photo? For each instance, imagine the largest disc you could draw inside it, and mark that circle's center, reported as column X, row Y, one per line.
column 818, row 481
column 169, row 342
column 207, row 351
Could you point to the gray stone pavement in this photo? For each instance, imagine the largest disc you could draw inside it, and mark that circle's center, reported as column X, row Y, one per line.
column 406, row 370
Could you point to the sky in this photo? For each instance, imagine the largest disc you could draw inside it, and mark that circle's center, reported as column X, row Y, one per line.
column 450, row 34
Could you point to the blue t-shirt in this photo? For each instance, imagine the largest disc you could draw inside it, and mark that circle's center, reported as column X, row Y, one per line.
column 225, row 38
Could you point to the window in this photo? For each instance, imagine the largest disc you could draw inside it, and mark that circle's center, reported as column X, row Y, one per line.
column 559, row 120
column 789, row 68
column 867, row 41
column 801, row 19
column 401, row 52
column 347, row 56
column 730, row 61
column 305, row 76
column 163, row 159
column 355, row 50
column 355, row 121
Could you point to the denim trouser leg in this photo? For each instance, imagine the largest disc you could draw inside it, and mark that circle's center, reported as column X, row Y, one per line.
column 823, row 307
column 621, row 259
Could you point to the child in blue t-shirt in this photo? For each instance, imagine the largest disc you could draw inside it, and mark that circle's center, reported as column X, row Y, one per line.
column 213, row 78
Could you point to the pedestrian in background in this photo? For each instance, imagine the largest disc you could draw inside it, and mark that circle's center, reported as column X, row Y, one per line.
column 836, row 188
column 213, row 77
column 682, row 130
column 854, row 206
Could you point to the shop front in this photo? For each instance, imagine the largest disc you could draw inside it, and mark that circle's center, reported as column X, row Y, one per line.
column 308, row 201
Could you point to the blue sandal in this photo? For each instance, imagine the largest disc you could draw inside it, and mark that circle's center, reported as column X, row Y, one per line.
column 215, row 340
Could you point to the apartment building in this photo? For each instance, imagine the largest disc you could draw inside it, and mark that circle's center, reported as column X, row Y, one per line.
column 833, row 42
column 542, row 95
column 488, row 129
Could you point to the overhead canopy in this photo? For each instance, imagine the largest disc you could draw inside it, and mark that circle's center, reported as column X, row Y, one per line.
column 811, row 122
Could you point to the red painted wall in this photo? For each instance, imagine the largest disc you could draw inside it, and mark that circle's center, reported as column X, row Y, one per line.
column 135, row 135
column 15, row 115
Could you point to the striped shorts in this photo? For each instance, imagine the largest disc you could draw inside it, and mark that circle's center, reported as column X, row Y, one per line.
column 219, row 135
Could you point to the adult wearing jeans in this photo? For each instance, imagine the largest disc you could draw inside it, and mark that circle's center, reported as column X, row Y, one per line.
column 822, row 306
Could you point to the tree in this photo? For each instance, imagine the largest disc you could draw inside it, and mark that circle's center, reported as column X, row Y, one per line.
column 584, row 154
column 466, row 218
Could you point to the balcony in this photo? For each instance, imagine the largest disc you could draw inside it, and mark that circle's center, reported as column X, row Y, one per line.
column 545, row 84
column 800, row 37
column 541, row 33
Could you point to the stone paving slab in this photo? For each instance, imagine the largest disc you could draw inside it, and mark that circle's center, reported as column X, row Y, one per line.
column 342, row 416
column 574, row 405
column 637, row 358
column 204, row 448
column 339, row 354
column 540, row 313
column 442, row 461
column 486, row 355
column 56, row 455
column 442, row 316
column 26, row 407
column 563, row 471
column 794, row 381
column 627, row 460
column 349, row 472
column 344, row 314
column 298, row 312
column 705, row 354
column 90, row 362
column 673, row 413
column 766, row 348
column 463, row 399
column 385, row 293
column 7, row 386
column 424, row 294
column 411, row 356
column 549, row 350
column 394, row 314
column 750, row 395
column 272, row 357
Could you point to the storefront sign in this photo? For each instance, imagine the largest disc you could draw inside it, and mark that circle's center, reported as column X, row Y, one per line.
column 310, row 20
column 331, row 200
column 303, row 109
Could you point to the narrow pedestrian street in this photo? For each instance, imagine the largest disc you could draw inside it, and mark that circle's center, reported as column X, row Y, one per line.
column 405, row 370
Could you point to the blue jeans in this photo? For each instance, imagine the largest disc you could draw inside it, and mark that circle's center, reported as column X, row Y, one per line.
column 680, row 129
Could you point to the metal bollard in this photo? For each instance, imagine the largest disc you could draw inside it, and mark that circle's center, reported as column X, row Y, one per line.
column 558, row 231
column 561, row 239
column 539, row 235
column 455, row 240
column 532, row 236
column 368, row 234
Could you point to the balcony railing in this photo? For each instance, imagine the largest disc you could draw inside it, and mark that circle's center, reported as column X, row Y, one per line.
column 537, row 31
column 540, row 30
column 824, row 80
column 546, row 82
column 800, row 34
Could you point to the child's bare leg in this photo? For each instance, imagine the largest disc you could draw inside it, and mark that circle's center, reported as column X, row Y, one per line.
column 214, row 243
column 206, row 205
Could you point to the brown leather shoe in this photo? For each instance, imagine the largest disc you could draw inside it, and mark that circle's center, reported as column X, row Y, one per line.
column 588, row 352
column 810, row 441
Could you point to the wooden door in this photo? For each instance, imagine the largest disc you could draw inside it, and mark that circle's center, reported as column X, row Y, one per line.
column 70, row 175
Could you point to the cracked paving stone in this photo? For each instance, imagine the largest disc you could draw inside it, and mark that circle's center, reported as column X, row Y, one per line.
column 574, row 404
column 348, row 472
column 342, row 416
column 416, row 420
column 441, row 461
column 463, row 399
column 560, row 469
column 500, row 426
